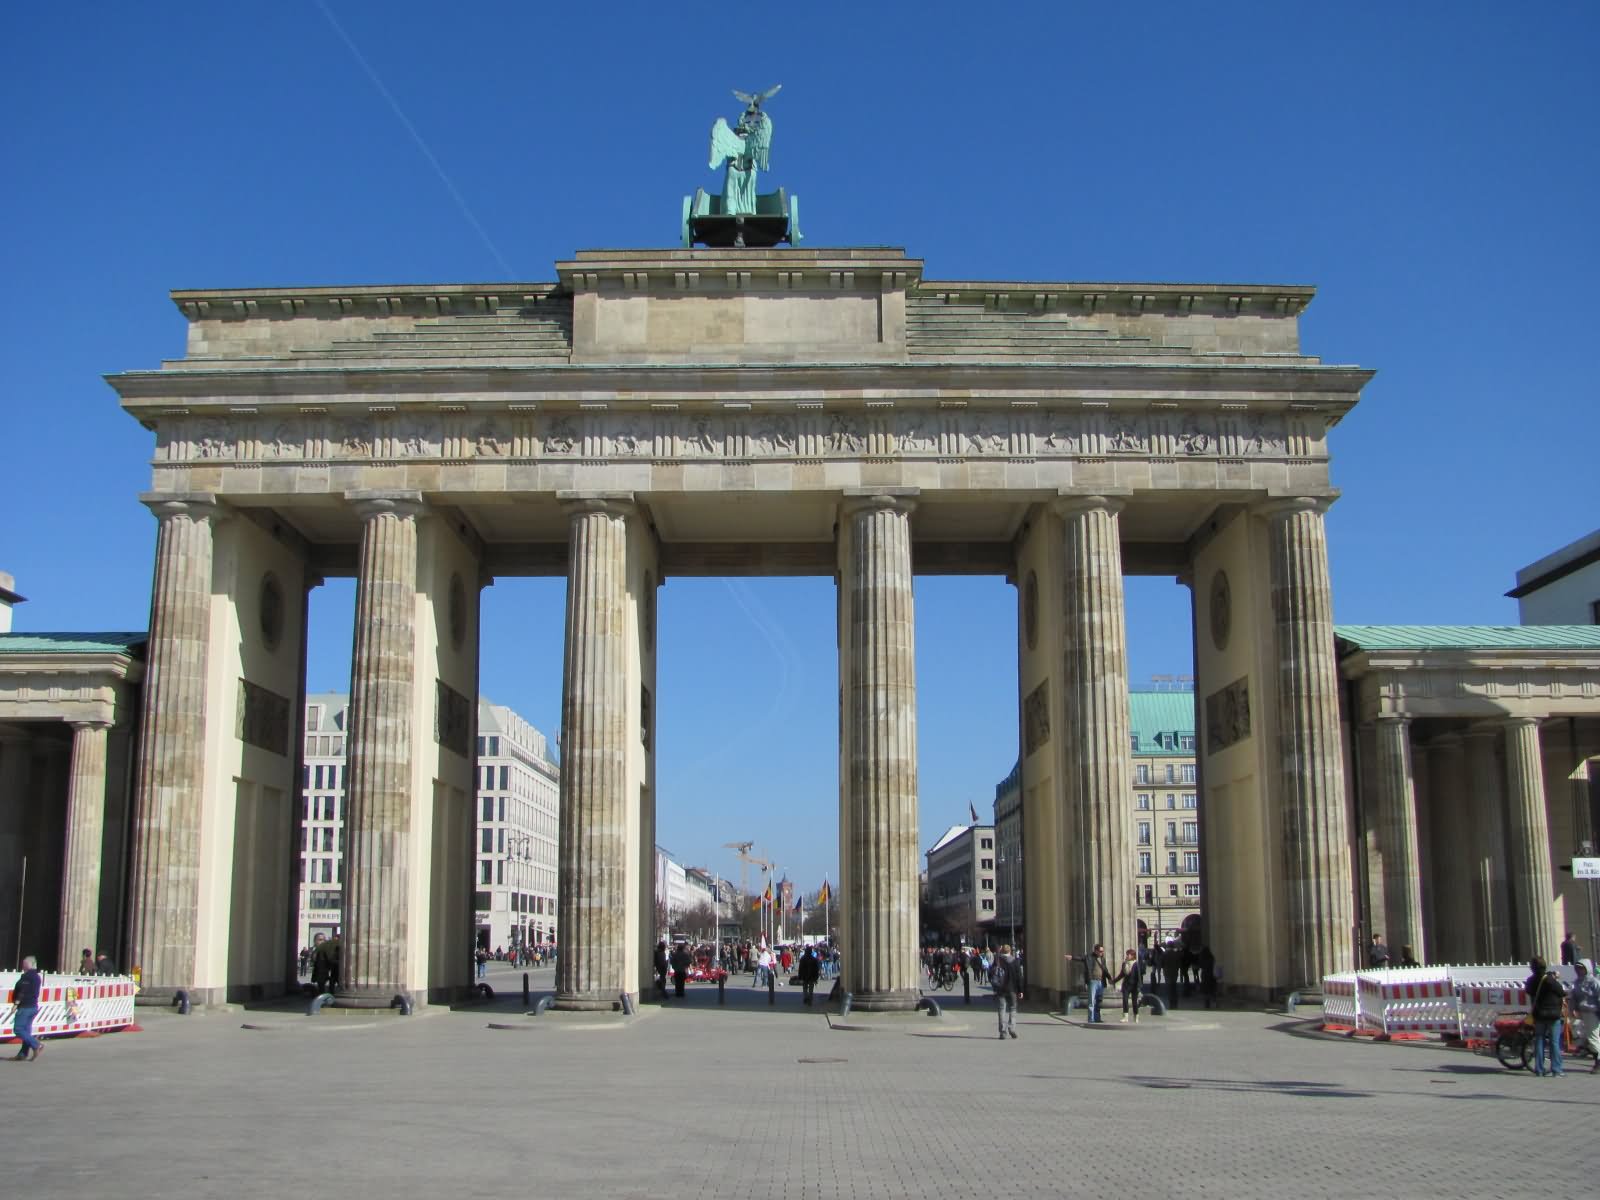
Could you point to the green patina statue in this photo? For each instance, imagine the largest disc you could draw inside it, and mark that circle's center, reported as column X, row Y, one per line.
column 741, row 216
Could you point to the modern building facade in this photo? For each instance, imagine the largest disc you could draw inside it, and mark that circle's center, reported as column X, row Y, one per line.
column 1165, row 811
column 514, row 841
column 1562, row 588
column 961, row 886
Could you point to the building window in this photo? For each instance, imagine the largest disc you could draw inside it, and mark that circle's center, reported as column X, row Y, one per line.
column 1191, row 863
column 1144, row 833
column 487, row 840
column 1149, row 894
column 1172, row 773
column 485, row 872
column 986, row 864
column 1192, row 890
column 1188, row 800
column 1144, row 800
column 988, row 906
column 1144, row 863
column 988, row 885
column 1186, row 741
column 1133, row 743
column 1142, row 773
column 1172, row 862
column 488, row 808
column 986, row 843
column 1172, row 889
column 505, row 778
column 1172, row 800
column 313, row 716
column 1172, row 832
column 1187, row 774
column 1191, row 831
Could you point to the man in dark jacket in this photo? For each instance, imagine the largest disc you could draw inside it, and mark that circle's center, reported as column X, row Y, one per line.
column 810, row 971
column 25, row 994
column 680, row 967
column 1547, row 996
column 1005, row 976
column 658, row 962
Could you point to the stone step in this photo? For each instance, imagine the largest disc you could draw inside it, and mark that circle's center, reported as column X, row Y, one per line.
column 399, row 352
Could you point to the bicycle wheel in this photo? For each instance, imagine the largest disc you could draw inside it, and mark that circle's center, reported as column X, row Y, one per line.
column 949, row 982
column 1514, row 1051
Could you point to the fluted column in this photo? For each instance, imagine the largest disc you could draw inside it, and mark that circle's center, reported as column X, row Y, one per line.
column 878, row 675
column 86, row 821
column 1317, row 878
column 377, row 920
column 1490, row 899
column 1402, row 866
column 1454, row 931
column 1099, row 757
column 16, row 759
column 165, row 888
column 591, row 970
column 1528, row 844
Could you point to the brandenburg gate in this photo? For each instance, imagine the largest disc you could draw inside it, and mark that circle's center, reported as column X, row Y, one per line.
column 728, row 412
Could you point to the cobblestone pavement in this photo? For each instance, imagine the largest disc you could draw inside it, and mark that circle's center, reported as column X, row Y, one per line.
column 689, row 1099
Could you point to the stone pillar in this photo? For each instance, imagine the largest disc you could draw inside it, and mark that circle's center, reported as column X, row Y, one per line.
column 1454, row 917
column 1100, row 856
column 165, row 888
column 1311, row 797
column 86, row 820
column 1528, row 844
column 1402, row 864
column 16, row 760
column 377, row 922
column 1487, row 879
column 591, row 969
column 879, row 817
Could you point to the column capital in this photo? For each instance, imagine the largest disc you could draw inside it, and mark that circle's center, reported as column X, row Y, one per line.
column 1392, row 718
column 1284, row 507
column 375, row 503
column 1520, row 721
column 202, row 506
column 92, row 723
column 1070, row 504
column 896, row 499
column 615, row 504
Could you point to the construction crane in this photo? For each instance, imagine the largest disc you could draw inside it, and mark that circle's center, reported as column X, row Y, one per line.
column 746, row 861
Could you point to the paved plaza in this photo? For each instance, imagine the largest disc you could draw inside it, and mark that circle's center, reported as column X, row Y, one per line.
column 748, row 1101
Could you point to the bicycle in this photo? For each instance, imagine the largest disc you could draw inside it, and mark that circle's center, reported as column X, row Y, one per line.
column 943, row 976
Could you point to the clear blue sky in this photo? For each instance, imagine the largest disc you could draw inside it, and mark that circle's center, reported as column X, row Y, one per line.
column 1429, row 167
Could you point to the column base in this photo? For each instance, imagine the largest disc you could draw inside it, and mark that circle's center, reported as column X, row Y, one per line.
column 587, row 1002
column 897, row 1000
column 372, row 997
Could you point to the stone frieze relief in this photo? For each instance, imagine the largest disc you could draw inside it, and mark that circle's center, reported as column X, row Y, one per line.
column 811, row 432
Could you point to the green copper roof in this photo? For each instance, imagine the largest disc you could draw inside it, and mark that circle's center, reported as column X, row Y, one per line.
column 1151, row 714
column 73, row 643
column 1470, row 637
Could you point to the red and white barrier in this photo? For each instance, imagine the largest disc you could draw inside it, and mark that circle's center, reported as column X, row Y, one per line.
column 1339, row 1001
column 1406, row 1001
column 70, row 1004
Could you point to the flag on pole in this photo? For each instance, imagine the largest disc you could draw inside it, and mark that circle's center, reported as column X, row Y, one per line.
column 767, row 898
column 822, row 896
column 755, row 905
column 800, row 905
column 971, row 809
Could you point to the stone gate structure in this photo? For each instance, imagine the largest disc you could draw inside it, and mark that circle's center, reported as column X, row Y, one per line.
column 660, row 413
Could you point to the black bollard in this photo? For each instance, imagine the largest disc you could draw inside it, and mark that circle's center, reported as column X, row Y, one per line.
column 772, row 986
column 524, row 987
column 966, row 986
column 722, row 985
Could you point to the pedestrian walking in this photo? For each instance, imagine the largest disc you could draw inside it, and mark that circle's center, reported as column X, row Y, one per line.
column 680, row 967
column 25, row 994
column 1131, row 976
column 1571, row 952
column 810, row 971
column 1208, row 976
column 1377, row 953
column 1005, row 977
column 659, row 962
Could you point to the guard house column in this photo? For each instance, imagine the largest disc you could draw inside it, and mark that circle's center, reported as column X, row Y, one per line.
column 1454, row 930
column 591, row 970
column 1402, row 867
column 164, row 890
column 1484, row 817
column 1528, row 843
column 377, row 923
column 1096, row 703
column 86, row 819
column 1311, row 799
column 878, row 813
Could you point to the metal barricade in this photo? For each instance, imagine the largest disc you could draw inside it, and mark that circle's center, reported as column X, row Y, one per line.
column 1339, row 1002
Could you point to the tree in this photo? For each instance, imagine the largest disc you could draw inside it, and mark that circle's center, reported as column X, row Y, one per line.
column 700, row 920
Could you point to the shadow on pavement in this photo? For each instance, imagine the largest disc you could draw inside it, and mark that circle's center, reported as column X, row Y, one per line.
column 1279, row 1087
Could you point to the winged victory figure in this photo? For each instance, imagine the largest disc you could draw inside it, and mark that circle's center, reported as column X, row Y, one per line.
column 746, row 148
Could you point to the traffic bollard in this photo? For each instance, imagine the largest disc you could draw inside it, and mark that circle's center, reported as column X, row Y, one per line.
column 772, row 987
column 722, row 985
column 966, row 986
column 524, row 987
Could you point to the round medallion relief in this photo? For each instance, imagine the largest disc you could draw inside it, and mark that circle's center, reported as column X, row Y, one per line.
column 269, row 610
column 1030, row 609
column 1221, row 606
column 457, row 611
